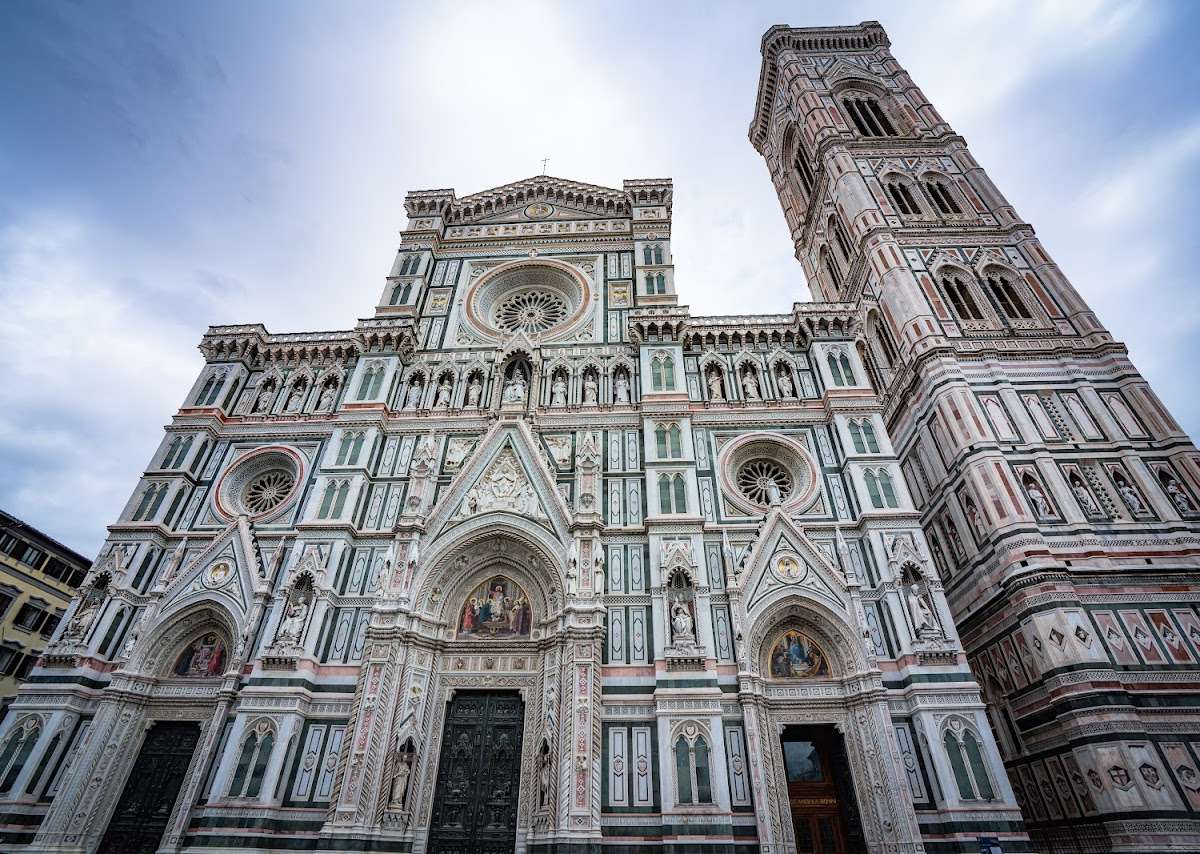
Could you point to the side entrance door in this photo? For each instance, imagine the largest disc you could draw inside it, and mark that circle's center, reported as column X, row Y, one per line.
column 475, row 803
column 820, row 791
column 142, row 813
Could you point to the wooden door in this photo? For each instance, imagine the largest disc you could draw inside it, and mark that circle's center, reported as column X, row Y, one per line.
column 146, row 803
column 818, row 819
column 475, row 802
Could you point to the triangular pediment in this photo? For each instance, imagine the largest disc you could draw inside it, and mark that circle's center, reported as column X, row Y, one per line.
column 227, row 570
column 508, row 473
column 785, row 560
column 538, row 199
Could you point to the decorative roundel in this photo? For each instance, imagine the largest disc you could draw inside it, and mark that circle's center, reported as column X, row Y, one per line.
column 761, row 469
column 540, row 297
column 539, row 210
column 218, row 574
column 533, row 311
column 268, row 491
column 764, row 481
column 260, row 485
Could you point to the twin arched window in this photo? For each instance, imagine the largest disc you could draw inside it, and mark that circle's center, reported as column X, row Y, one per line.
column 862, row 433
column 16, row 752
column 961, row 296
column 409, row 265
column 1005, row 293
column 669, row 441
column 656, row 283
column 662, row 372
column 401, row 294
column 252, row 764
column 652, row 253
column 880, row 488
column 349, row 449
column 1001, row 286
column 692, row 778
column 371, row 383
column 902, row 197
column 966, row 760
column 840, row 370
column 333, row 502
column 177, row 452
column 152, row 499
column 943, row 199
column 212, row 387
column 867, row 116
column 672, row 493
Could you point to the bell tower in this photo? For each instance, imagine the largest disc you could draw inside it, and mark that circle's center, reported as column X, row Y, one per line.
column 1059, row 499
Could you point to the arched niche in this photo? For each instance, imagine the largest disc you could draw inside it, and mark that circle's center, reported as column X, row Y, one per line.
column 159, row 652
column 840, row 648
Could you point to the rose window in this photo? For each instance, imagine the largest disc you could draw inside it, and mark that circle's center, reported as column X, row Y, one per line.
column 764, row 481
column 530, row 311
column 268, row 491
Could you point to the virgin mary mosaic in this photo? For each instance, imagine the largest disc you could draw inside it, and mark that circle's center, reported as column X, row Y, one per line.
column 204, row 657
column 496, row 609
column 797, row 656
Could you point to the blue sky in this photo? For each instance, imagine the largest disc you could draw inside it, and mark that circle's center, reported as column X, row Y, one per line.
column 169, row 165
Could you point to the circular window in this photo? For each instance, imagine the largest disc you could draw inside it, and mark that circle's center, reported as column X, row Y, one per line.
column 539, row 297
column 532, row 311
column 260, row 484
column 764, row 481
column 762, row 469
column 268, row 491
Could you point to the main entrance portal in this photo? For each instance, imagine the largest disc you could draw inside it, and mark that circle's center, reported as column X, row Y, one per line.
column 820, row 791
column 146, row 803
column 475, row 803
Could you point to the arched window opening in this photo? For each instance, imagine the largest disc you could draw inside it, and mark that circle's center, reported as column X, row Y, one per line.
column 1006, row 296
column 646, row 254
column 327, row 500
column 873, row 489
column 943, row 199
column 252, row 763
column 680, row 490
column 207, row 390
column 831, row 270
column 966, row 761
column 356, row 448
column 868, row 432
column 902, row 199
column 662, row 372
column 803, row 166
column 961, row 297
column 664, row 494
column 658, row 254
column 675, row 438
column 835, row 370
column 847, row 371
column 364, row 385
column 340, row 504
column 868, row 117
column 16, row 752
column 888, row 490
column 344, row 448
column 834, row 227
column 856, row 437
column 660, row 437
column 692, row 776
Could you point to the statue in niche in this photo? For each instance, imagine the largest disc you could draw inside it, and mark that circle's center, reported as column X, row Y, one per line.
column 750, row 385
column 621, row 388
column 1129, row 494
column 924, row 622
column 1175, row 492
column 291, row 627
column 327, row 395
column 474, row 391
column 87, row 609
column 1041, row 506
column 599, row 574
column 681, row 620
column 573, row 569
column 401, row 774
column 514, row 389
column 558, row 391
column 716, row 389
column 265, row 398
column 444, row 390
column 544, row 776
column 413, row 398
column 1086, row 502
column 784, row 381
column 591, row 389
column 296, row 398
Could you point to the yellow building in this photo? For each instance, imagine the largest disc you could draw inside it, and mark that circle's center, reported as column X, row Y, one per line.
column 38, row 578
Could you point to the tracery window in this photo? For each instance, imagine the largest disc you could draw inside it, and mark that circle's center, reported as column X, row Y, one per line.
column 862, row 433
column 966, row 760
column 1007, row 297
column 868, row 117
column 943, row 199
column 902, row 198
column 838, row 231
column 333, row 501
column 349, row 449
column 961, row 297
column 840, row 370
column 672, row 493
column 252, row 764
column 669, row 441
column 662, row 372
column 880, row 488
column 692, row 777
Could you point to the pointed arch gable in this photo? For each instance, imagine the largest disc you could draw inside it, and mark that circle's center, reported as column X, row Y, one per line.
column 821, row 581
column 200, row 580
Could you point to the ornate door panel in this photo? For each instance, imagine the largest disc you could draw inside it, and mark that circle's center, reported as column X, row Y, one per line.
column 475, row 803
column 142, row 813
column 820, row 792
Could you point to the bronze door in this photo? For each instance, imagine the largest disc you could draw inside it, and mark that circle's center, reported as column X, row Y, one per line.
column 142, row 813
column 824, row 818
column 475, row 803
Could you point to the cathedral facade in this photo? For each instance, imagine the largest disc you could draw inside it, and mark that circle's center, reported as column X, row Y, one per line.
column 533, row 559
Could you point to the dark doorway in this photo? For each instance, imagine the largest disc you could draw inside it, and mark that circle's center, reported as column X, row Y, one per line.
column 475, row 803
column 142, row 813
column 820, row 791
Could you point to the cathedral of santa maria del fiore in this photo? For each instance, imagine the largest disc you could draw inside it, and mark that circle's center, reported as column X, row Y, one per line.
column 533, row 559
